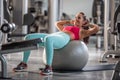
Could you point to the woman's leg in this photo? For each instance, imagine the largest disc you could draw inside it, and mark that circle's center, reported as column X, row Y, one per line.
column 32, row 36
column 54, row 41
column 22, row 65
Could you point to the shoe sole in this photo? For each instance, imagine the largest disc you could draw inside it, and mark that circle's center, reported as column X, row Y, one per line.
column 23, row 70
column 46, row 74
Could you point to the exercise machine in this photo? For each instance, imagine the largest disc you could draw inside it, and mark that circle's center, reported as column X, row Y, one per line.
column 15, row 47
column 98, row 18
column 114, row 32
column 12, row 47
column 7, row 27
column 116, row 73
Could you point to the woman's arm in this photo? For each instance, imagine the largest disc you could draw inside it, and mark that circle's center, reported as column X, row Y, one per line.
column 60, row 24
column 93, row 29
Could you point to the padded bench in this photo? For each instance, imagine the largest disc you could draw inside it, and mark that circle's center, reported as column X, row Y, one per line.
column 15, row 47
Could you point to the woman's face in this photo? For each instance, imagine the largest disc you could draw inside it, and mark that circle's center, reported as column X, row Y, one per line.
column 79, row 20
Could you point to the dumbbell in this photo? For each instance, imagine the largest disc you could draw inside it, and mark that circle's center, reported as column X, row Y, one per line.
column 8, row 27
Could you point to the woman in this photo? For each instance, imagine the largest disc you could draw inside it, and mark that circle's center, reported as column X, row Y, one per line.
column 60, row 39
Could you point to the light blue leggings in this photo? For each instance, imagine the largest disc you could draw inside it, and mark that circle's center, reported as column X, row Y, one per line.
column 50, row 42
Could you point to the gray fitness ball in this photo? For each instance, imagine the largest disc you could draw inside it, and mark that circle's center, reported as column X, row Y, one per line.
column 74, row 56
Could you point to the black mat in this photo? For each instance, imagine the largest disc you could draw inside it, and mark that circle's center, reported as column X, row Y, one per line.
column 99, row 67
column 91, row 68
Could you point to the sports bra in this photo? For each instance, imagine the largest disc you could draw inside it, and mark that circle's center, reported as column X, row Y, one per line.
column 73, row 30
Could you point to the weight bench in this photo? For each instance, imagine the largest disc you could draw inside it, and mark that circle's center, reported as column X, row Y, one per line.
column 15, row 47
column 116, row 73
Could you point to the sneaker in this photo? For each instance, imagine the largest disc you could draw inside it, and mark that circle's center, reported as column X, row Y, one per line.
column 20, row 67
column 46, row 71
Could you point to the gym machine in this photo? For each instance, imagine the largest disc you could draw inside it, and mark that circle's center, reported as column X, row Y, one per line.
column 15, row 47
column 98, row 18
column 11, row 47
column 115, row 32
column 116, row 73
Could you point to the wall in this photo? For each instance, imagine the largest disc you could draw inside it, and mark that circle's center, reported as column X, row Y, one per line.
column 71, row 7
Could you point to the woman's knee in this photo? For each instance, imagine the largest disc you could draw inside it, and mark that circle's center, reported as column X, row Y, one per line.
column 28, row 36
column 48, row 39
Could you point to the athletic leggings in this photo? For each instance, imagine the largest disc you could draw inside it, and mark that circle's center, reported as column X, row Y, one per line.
column 50, row 42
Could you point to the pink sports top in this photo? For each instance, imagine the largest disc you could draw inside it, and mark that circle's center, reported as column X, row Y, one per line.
column 73, row 30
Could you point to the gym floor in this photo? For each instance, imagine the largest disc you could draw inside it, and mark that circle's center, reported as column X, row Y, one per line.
column 35, row 63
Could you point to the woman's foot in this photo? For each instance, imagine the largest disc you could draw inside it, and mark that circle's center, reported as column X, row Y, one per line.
column 47, row 71
column 20, row 67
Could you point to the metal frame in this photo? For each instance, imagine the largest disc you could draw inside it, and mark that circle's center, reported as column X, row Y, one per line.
column 107, row 23
column 16, row 48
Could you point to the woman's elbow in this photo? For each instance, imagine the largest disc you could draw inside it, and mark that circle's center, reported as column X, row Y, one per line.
column 56, row 24
column 97, row 28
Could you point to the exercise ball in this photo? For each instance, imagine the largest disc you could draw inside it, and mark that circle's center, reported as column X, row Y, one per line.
column 74, row 56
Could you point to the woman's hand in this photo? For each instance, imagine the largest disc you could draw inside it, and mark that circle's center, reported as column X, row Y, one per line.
column 69, row 21
column 72, row 22
column 60, row 24
column 86, row 23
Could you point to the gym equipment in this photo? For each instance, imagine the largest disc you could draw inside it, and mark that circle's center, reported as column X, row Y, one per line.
column 98, row 18
column 115, row 33
column 62, row 62
column 116, row 15
column 6, row 11
column 8, row 27
column 28, row 19
column 74, row 56
column 116, row 74
column 15, row 47
column 90, row 68
column 18, row 46
column 98, row 11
